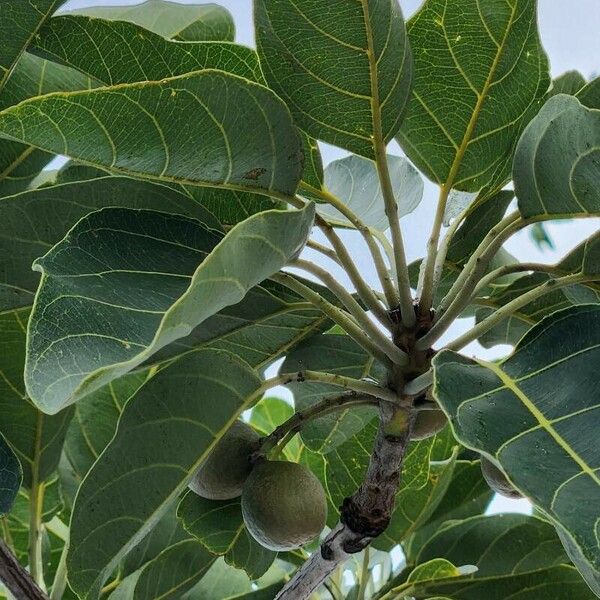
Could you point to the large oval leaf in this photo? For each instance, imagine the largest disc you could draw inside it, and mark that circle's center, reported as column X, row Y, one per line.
column 173, row 572
column 95, row 47
column 133, row 282
column 515, row 556
column 32, row 222
column 464, row 117
column 178, row 129
column 10, row 477
column 537, row 415
column 219, row 527
column 37, row 439
column 191, row 21
column 165, row 432
column 556, row 170
column 19, row 22
column 338, row 354
column 354, row 180
column 317, row 60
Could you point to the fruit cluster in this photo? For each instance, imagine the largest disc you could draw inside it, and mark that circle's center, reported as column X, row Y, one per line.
column 283, row 503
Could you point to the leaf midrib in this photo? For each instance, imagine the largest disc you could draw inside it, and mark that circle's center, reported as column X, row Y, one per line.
column 482, row 97
column 545, row 424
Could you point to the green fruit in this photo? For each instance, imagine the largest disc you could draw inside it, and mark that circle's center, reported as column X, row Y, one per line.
column 497, row 480
column 428, row 423
column 223, row 473
column 284, row 505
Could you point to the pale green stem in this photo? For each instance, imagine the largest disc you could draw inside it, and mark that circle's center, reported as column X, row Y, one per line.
column 364, row 291
column 442, row 252
column 365, row 575
column 479, row 260
column 354, row 385
column 339, row 316
column 387, row 248
column 328, row 252
column 297, row 421
column 508, row 309
column 367, row 295
column 419, row 384
column 355, row 309
column 60, row 579
column 391, row 206
column 36, row 503
column 390, row 291
column 426, row 279
column 509, row 270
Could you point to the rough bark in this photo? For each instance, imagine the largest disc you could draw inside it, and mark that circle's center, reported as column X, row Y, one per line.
column 364, row 515
column 16, row 579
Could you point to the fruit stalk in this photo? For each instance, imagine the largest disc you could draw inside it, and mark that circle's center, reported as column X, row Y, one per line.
column 364, row 515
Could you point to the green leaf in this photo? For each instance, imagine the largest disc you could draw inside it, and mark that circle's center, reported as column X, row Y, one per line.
column 534, row 413
column 17, row 521
column 590, row 94
column 354, row 180
column 19, row 23
column 488, row 542
column 171, row 19
column 318, row 62
column 220, row 528
column 557, row 583
column 268, row 414
column 480, row 218
column 570, row 82
column 141, row 305
column 37, row 439
column 231, row 207
column 584, row 259
column 513, row 328
column 165, row 432
column 437, row 568
column 415, row 506
column 32, row 222
column 345, row 467
column 464, row 116
column 185, row 133
column 95, row 421
column 10, row 477
column 20, row 164
column 467, row 495
column 530, row 569
column 95, row 47
column 337, row 354
column 166, row 533
column 556, row 163
column 173, row 572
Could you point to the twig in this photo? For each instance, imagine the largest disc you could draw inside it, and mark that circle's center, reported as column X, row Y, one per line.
column 504, row 312
column 348, row 383
column 355, row 309
column 324, row 250
column 459, row 295
column 16, row 579
column 364, row 515
column 344, row 320
column 364, row 291
column 295, row 423
column 390, row 291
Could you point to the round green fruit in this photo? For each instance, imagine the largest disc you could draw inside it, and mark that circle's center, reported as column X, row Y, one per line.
column 497, row 480
column 428, row 423
column 223, row 473
column 284, row 505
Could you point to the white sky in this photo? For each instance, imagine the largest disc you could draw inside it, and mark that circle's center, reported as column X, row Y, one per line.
column 570, row 31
